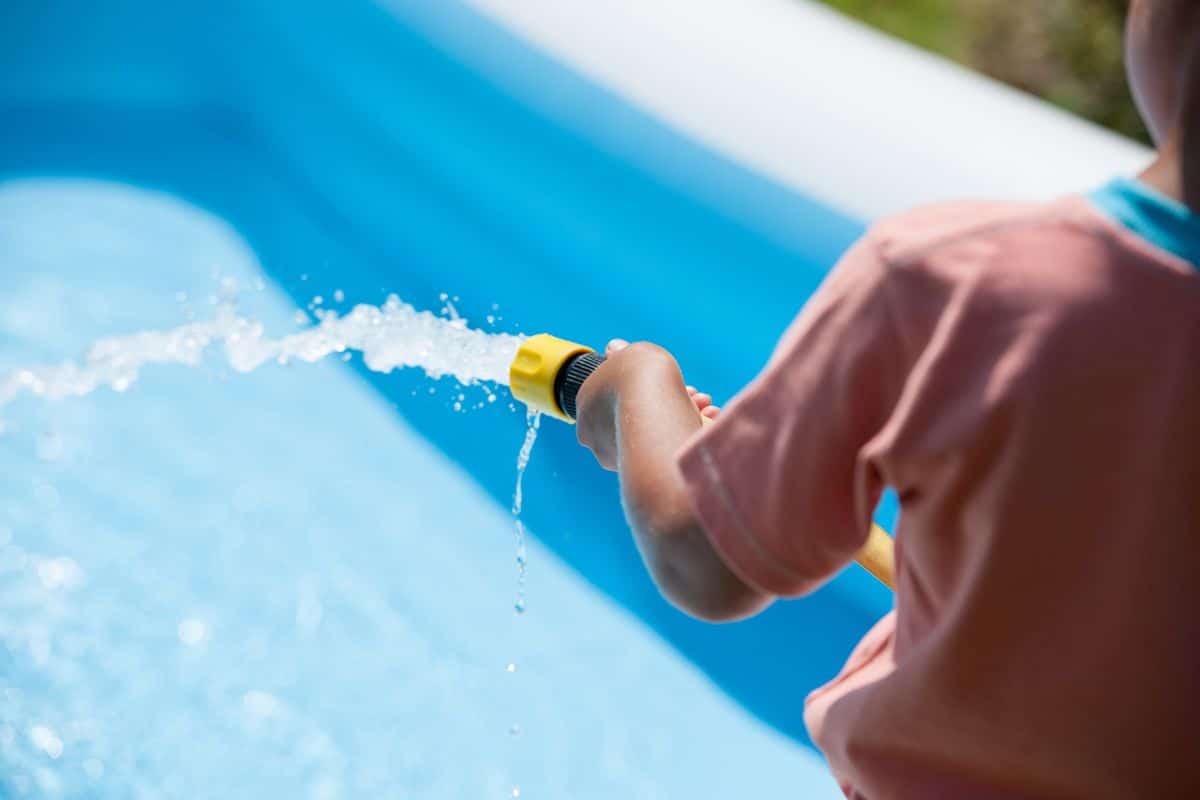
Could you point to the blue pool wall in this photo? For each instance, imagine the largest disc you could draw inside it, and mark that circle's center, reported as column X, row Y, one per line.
column 416, row 149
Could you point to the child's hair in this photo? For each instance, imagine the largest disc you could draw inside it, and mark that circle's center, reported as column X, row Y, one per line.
column 1172, row 23
column 1163, row 64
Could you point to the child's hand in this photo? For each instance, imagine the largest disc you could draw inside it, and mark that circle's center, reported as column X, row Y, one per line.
column 703, row 401
column 643, row 371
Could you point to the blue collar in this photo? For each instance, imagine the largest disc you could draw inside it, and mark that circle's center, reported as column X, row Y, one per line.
column 1161, row 221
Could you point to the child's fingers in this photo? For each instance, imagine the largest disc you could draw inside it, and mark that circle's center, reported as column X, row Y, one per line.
column 702, row 400
column 615, row 345
column 712, row 412
column 691, row 391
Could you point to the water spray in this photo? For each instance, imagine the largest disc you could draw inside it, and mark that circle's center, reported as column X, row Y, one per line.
column 547, row 375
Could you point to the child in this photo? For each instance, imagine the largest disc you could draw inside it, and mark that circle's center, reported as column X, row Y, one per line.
column 1027, row 378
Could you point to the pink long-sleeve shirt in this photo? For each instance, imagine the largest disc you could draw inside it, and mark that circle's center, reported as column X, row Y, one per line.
column 1027, row 378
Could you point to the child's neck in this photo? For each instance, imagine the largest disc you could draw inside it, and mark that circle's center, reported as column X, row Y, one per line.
column 1165, row 174
column 1175, row 174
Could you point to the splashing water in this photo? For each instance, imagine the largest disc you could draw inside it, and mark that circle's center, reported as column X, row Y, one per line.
column 532, row 421
column 390, row 336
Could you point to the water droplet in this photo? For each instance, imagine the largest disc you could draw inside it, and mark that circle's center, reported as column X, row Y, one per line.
column 514, row 730
column 491, row 398
column 338, row 295
column 516, row 791
column 300, row 318
column 46, row 740
column 56, row 573
column 510, row 667
column 318, row 300
column 458, row 406
column 304, row 276
column 260, row 704
column 519, row 606
column 191, row 631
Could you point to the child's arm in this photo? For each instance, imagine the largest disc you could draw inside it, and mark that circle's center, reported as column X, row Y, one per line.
column 635, row 414
column 777, row 496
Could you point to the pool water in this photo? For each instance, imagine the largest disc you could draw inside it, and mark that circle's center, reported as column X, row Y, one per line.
column 300, row 581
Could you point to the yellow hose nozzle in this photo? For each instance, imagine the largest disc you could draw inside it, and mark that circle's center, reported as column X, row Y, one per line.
column 548, row 371
column 546, row 376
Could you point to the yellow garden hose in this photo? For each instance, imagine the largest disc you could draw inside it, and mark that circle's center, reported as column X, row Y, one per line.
column 546, row 375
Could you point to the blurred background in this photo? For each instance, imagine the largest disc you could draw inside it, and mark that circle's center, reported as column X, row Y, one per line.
column 1067, row 52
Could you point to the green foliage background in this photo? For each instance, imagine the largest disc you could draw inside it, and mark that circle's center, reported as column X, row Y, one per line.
column 1065, row 51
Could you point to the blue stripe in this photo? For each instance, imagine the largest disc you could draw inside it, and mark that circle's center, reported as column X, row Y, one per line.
column 1160, row 220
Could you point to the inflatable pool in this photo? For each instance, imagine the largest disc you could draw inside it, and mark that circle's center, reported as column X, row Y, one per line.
column 299, row 582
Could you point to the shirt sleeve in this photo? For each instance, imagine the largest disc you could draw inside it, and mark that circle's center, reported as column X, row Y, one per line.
column 779, row 482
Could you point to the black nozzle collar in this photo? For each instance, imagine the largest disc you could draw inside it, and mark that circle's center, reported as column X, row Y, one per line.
column 571, row 377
